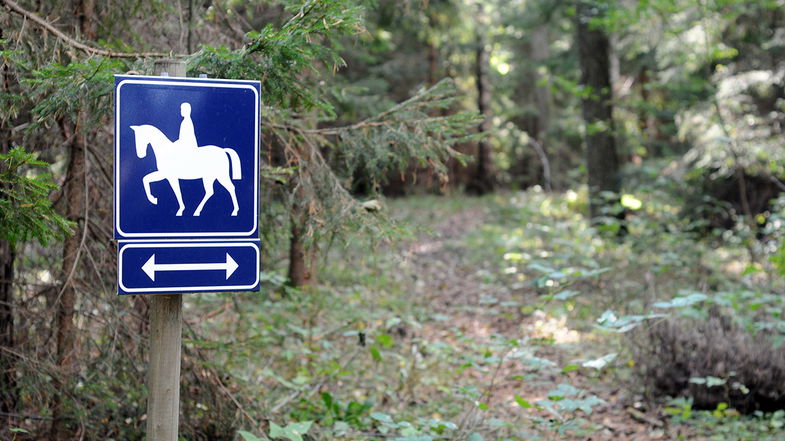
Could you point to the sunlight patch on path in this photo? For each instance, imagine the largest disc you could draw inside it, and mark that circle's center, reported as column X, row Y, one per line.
column 546, row 326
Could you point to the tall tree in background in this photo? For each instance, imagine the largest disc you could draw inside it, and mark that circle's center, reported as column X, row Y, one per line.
column 7, row 380
column 76, row 201
column 65, row 298
column 483, row 180
column 602, row 161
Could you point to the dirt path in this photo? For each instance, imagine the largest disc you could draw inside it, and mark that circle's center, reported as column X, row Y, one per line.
column 460, row 290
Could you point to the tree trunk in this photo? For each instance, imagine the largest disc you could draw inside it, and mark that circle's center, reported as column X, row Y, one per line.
column 65, row 302
column 537, row 99
column 8, row 391
column 87, row 19
column 540, row 51
column 484, row 175
column 75, row 196
column 433, row 64
column 302, row 259
column 602, row 162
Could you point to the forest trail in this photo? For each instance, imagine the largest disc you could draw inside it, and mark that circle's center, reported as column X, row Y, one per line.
column 465, row 299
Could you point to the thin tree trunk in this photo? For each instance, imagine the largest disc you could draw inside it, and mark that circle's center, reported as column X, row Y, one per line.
column 188, row 44
column 65, row 303
column 540, row 52
column 87, row 19
column 602, row 162
column 433, row 64
column 8, row 390
column 302, row 259
column 484, row 176
column 541, row 95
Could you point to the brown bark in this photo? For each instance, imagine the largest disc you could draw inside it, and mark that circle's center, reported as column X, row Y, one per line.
column 602, row 162
column 484, row 175
column 302, row 259
column 433, row 64
column 65, row 303
column 87, row 19
column 188, row 44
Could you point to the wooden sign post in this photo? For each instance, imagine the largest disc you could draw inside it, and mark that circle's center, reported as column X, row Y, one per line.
column 166, row 322
column 161, row 250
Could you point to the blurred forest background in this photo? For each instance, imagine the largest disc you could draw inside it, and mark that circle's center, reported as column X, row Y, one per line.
column 481, row 220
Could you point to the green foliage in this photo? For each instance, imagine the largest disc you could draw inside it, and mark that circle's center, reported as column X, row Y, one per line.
column 292, row 431
column 63, row 91
column 567, row 398
column 10, row 102
column 26, row 212
column 724, row 423
column 248, row 436
column 352, row 413
column 685, row 299
column 284, row 57
column 370, row 149
column 296, row 63
column 406, row 134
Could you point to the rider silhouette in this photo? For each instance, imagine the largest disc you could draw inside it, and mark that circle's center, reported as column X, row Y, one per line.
column 187, row 140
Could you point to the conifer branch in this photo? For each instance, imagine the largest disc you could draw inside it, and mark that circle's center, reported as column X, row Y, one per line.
column 13, row 6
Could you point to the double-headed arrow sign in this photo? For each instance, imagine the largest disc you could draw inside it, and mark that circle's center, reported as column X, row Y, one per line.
column 191, row 266
column 150, row 267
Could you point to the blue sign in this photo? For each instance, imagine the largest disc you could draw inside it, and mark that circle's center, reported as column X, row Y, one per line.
column 186, row 158
column 149, row 267
column 186, row 203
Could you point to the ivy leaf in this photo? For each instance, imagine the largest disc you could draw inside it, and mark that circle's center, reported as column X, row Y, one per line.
column 601, row 362
column 570, row 368
column 376, row 354
column 585, row 405
column 611, row 322
column 382, row 417
column 248, row 436
column 292, row 432
column 276, row 431
column 682, row 301
column 566, row 294
column 523, row 403
column 475, row 437
column 563, row 390
column 385, row 340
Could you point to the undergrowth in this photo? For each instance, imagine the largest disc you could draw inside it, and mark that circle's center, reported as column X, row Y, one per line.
column 507, row 319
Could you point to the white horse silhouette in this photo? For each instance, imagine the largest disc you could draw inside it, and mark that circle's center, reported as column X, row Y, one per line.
column 208, row 163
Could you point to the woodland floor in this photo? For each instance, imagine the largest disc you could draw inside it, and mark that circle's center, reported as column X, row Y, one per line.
column 452, row 282
column 481, row 326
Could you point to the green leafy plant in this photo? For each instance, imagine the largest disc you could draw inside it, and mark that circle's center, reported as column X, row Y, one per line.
column 291, row 432
column 26, row 213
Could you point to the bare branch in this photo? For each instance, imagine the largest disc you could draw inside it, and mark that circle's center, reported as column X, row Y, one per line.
column 13, row 6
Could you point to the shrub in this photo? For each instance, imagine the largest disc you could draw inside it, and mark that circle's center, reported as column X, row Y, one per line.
column 711, row 360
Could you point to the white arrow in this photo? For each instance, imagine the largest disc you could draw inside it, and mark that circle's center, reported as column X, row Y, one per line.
column 150, row 267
